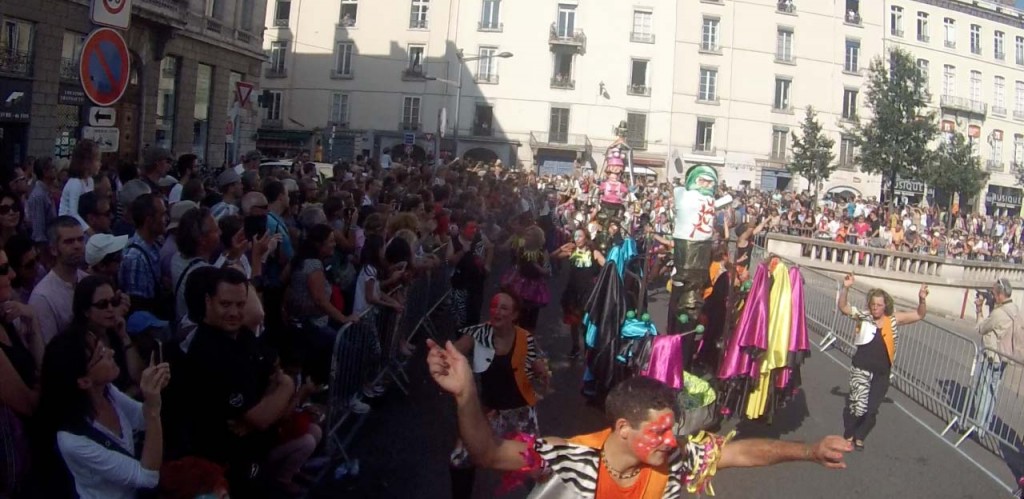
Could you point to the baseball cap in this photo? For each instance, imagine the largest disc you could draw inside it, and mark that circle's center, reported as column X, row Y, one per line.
column 101, row 245
column 141, row 321
column 179, row 210
column 155, row 154
column 131, row 190
column 228, row 177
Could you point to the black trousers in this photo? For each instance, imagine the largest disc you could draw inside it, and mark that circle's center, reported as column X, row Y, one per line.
column 867, row 390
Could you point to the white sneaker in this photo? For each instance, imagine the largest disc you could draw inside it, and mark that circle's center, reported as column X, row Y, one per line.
column 358, row 406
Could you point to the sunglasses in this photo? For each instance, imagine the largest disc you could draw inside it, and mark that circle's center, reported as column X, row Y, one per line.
column 107, row 303
column 7, row 208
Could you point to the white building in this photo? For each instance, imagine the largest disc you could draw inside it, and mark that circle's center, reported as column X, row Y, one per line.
column 373, row 72
column 716, row 81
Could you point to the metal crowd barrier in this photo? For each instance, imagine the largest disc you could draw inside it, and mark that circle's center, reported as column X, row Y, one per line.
column 945, row 372
column 369, row 352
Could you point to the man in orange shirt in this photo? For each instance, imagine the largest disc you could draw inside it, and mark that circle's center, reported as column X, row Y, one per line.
column 637, row 457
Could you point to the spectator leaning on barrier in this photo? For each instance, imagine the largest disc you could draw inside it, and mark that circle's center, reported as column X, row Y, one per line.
column 1001, row 333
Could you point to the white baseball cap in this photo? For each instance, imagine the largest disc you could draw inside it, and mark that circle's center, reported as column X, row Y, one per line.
column 101, row 245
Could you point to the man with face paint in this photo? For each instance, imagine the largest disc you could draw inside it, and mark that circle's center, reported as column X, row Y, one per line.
column 472, row 261
column 638, row 456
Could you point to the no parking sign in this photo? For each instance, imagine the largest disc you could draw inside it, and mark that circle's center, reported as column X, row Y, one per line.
column 104, row 67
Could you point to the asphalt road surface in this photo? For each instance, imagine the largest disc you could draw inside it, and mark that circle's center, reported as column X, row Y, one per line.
column 403, row 444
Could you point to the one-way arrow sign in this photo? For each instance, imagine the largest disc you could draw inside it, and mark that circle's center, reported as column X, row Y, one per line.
column 102, row 116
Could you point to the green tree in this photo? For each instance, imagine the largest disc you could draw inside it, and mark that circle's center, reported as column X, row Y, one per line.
column 812, row 153
column 955, row 169
column 895, row 142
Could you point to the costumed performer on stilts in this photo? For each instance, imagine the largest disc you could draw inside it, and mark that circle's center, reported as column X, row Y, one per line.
column 637, row 456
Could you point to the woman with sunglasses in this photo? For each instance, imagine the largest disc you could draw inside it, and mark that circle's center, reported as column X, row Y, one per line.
column 21, row 349
column 24, row 257
column 10, row 216
column 98, row 309
column 94, row 423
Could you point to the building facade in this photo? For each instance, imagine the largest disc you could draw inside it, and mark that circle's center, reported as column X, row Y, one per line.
column 186, row 57
column 540, row 84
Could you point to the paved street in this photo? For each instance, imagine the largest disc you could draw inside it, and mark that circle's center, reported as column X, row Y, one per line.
column 403, row 445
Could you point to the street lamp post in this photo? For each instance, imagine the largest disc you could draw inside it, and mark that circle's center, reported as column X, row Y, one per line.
column 458, row 87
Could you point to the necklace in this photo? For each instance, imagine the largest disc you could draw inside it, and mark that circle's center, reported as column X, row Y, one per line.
column 618, row 475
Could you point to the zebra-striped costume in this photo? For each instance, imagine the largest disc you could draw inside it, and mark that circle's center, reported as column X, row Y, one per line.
column 867, row 387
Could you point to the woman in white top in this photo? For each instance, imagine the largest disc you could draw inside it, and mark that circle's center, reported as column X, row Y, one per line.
column 85, row 164
column 96, row 424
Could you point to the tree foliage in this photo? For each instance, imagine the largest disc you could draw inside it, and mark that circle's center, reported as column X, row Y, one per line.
column 895, row 141
column 955, row 169
column 812, row 152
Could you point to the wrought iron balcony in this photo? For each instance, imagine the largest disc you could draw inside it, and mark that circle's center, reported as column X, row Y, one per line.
column 638, row 37
column 924, row 38
column 490, row 26
column 486, row 78
column 563, row 82
column 562, row 37
column 414, row 73
column 281, row 23
column 1018, row 115
column 15, row 62
column 69, row 69
column 417, row 24
column 853, row 18
column 897, row 32
column 994, row 165
column 278, row 72
column 1001, row 56
column 786, row 7
column 950, row 44
column 409, row 126
column 998, row 110
column 963, row 104
column 638, row 90
column 561, row 140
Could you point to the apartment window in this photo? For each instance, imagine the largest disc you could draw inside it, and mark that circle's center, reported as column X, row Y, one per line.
column 708, row 90
column 999, row 95
column 847, row 153
column 779, row 137
column 998, row 45
column 282, row 12
column 417, row 54
column 638, row 81
column 275, row 105
column 418, row 15
column 70, row 53
column 636, row 130
column 922, row 66
column 167, row 103
column 997, row 147
column 490, row 15
column 215, row 9
column 487, row 65
column 709, row 34
column 245, row 15
column 483, row 120
column 705, row 136
column 896, row 20
column 558, row 128
column 278, row 52
column 566, row 24
column 339, row 108
column 853, row 11
column 343, row 59
column 1019, row 46
column 852, row 60
column 850, row 104
column 784, row 44
column 563, row 74
column 976, row 86
column 1018, row 100
column 1018, row 150
column 411, row 112
column 975, row 39
column 349, row 12
column 949, row 31
column 16, row 43
column 949, row 80
column 783, row 87
column 922, row 27
column 643, row 26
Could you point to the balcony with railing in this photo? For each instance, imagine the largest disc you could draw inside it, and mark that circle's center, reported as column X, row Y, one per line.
column 69, row 69
column 15, row 62
column 243, row 36
column 214, row 25
column 415, row 73
column 993, row 165
column 785, row 7
column 705, row 149
column 642, row 90
column 561, row 37
column 174, row 12
column 923, row 38
column 950, row 44
column 964, row 104
column 1018, row 114
column 491, row 26
column 563, row 82
column 897, row 32
column 417, row 23
column 1001, row 56
column 560, row 140
column 409, row 125
column 853, row 18
column 275, row 72
column 639, row 37
column 999, row 110
column 280, row 23
column 486, row 78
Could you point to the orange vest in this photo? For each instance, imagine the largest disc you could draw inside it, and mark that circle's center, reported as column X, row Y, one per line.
column 518, row 362
column 657, row 478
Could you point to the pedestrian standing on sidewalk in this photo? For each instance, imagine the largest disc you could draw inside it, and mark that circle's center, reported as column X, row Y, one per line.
column 876, row 337
column 1002, row 332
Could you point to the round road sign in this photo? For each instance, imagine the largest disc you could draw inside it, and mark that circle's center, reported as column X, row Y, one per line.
column 114, row 6
column 105, row 66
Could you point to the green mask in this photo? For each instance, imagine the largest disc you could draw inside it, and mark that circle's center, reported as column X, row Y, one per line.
column 700, row 171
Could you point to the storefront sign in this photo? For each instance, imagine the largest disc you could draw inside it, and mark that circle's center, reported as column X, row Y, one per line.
column 71, row 95
column 15, row 100
column 906, row 187
column 1003, row 197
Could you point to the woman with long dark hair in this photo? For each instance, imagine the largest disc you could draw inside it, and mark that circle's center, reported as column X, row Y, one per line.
column 94, row 423
column 99, row 309
column 10, row 216
column 85, row 164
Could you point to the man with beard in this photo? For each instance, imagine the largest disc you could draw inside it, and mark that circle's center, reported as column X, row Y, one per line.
column 51, row 298
column 638, row 456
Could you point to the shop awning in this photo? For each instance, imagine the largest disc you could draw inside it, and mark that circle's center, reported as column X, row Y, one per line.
column 649, row 160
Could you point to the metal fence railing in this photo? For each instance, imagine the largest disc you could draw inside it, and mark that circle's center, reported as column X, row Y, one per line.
column 945, row 372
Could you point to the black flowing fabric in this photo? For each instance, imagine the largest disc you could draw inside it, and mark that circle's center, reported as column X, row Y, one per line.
column 606, row 309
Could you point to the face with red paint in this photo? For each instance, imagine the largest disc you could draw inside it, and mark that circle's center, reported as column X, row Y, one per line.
column 469, row 230
column 503, row 311
column 653, row 441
